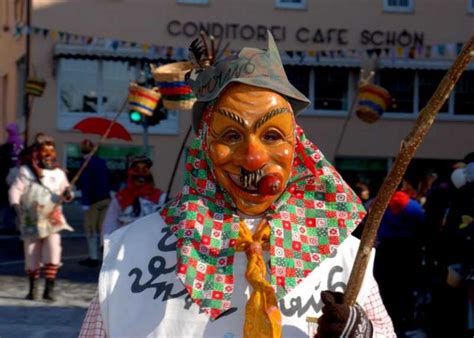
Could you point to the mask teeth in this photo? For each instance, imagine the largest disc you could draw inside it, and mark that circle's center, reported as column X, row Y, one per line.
column 250, row 179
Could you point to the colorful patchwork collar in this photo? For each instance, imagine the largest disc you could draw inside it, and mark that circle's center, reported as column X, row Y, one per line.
column 315, row 214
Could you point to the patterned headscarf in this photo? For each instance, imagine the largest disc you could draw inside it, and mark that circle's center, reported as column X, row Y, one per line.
column 313, row 216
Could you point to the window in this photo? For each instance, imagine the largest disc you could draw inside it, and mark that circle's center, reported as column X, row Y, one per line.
column 400, row 85
column 99, row 88
column 464, row 94
column 331, row 88
column 293, row 4
column 428, row 81
column 298, row 77
column 470, row 6
column 398, row 6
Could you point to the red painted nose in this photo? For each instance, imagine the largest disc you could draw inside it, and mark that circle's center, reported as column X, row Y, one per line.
column 271, row 184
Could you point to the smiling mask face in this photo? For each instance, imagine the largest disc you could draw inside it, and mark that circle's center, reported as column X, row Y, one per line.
column 251, row 145
column 47, row 155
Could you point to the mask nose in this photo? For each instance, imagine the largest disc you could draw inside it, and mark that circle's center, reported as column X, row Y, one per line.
column 255, row 155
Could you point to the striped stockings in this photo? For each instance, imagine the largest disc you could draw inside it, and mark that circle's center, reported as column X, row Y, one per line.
column 50, row 271
column 33, row 274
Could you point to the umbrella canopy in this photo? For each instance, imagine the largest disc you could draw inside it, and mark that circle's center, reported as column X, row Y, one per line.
column 99, row 126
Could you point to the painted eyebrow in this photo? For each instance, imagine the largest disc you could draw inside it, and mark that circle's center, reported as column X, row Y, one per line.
column 232, row 116
column 272, row 113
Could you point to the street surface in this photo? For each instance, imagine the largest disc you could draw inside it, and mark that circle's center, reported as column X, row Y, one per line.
column 75, row 287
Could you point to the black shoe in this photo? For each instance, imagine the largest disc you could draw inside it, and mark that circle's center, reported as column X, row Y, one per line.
column 49, row 290
column 33, row 293
column 92, row 263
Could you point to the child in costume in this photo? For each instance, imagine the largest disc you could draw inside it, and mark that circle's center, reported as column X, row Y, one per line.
column 260, row 228
column 36, row 195
column 138, row 199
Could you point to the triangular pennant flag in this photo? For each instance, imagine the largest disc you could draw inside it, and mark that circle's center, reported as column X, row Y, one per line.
column 428, row 52
column 17, row 31
column 45, row 32
column 441, row 49
column 146, row 46
column 169, row 52
column 300, row 56
column 115, row 44
column 61, row 35
column 54, row 35
column 400, row 52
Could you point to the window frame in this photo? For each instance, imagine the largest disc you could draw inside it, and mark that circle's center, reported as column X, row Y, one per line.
column 399, row 9
column 66, row 120
column 449, row 115
column 285, row 5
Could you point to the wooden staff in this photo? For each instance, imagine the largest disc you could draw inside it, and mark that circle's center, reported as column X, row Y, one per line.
column 408, row 147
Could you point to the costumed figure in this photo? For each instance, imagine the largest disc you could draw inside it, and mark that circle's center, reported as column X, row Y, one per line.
column 36, row 195
column 138, row 199
column 95, row 187
column 260, row 228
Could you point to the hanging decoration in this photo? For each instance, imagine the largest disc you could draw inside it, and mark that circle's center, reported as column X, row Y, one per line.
column 170, row 78
column 143, row 100
column 435, row 51
column 372, row 102
column 35, row 86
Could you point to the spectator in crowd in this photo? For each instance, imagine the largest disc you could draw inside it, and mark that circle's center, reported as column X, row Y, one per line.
column 397, row 254
column 139, row 198
column 36, row 195
column 9, row 152
column 456, row 250
column 94, row 183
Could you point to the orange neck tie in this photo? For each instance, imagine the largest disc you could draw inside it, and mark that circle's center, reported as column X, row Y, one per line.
column 262, row 316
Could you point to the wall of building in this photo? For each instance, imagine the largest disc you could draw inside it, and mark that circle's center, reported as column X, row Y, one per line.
column 11, row 51
column 323, row 24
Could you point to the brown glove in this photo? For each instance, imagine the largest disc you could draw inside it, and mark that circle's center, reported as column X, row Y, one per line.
column 67, row 195
column 339, row 320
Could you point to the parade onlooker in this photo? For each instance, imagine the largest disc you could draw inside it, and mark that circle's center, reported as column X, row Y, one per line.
column 397, row 253
column 95, row 187
column 9, row 152
column 456, row 250
column 362, row 190
column 139, row 198
column 36, row 195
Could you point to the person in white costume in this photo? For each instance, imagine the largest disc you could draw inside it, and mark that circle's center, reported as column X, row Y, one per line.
column 261, row 227
column 36, row 195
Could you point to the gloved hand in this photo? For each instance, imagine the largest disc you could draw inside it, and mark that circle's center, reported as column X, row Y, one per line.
column 67, row 195
column 339, row 320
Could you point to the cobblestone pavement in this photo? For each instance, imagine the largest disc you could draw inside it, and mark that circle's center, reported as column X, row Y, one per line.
column 75, row 286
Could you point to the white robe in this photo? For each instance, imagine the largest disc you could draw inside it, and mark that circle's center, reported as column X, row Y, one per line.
column 140, row 295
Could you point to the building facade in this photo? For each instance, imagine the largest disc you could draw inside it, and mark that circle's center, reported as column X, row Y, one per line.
column 89, row 51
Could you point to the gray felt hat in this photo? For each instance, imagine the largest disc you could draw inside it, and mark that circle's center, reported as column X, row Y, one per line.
column 252, row 66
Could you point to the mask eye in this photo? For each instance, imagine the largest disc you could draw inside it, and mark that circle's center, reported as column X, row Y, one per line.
column 232, row 136
column 271, row 136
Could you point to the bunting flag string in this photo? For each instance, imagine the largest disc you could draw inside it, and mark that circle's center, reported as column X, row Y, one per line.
column 436, row 51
